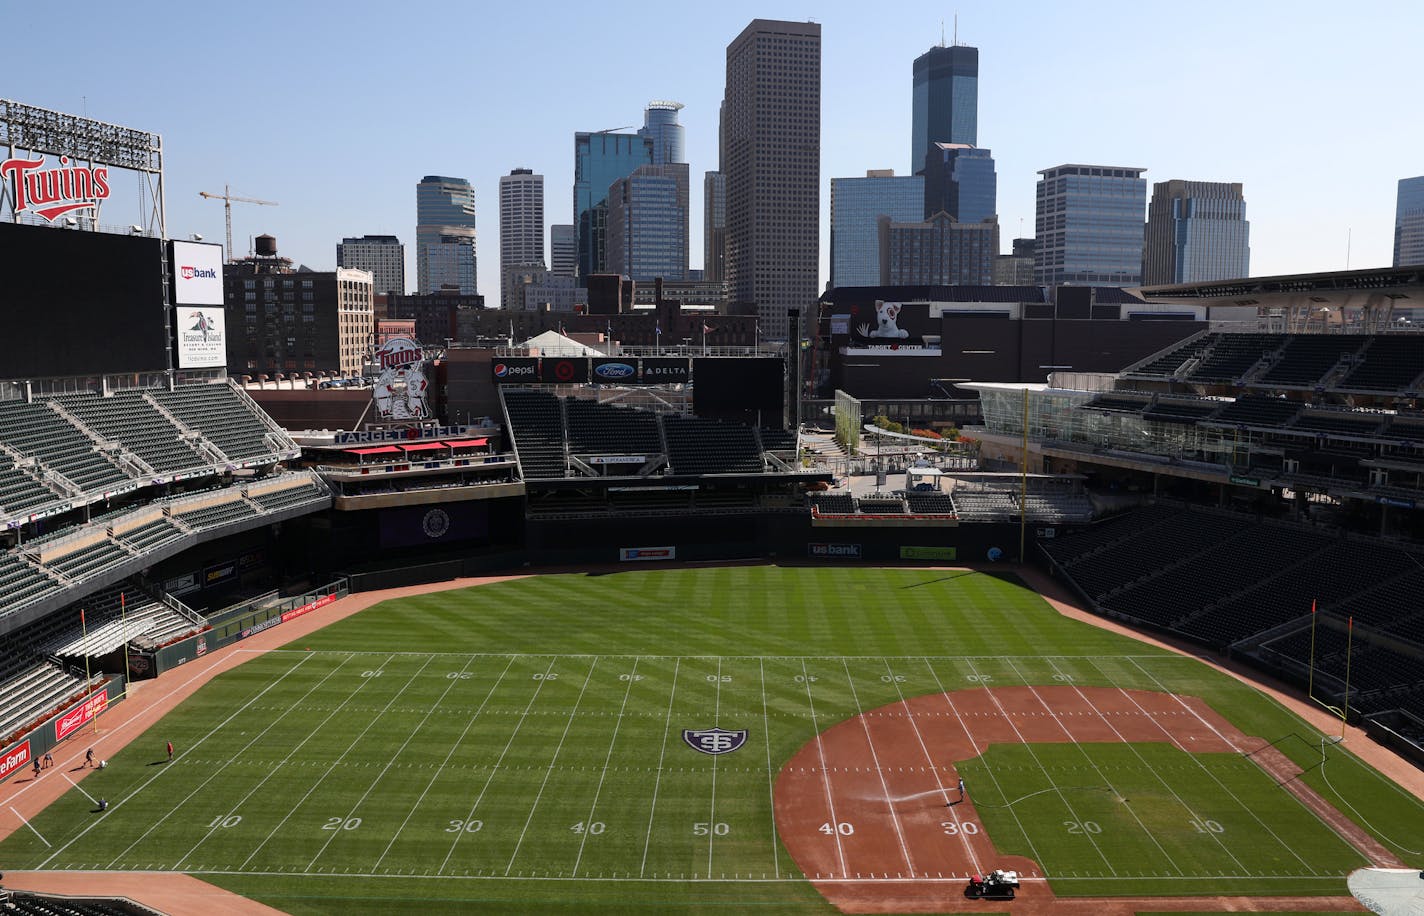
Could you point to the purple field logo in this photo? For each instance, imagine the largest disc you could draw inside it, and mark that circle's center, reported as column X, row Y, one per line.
column 714, row 741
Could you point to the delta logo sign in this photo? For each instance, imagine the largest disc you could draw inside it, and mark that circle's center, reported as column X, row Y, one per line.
column 51, row 193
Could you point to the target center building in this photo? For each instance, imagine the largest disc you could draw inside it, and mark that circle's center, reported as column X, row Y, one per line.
column 287, row 320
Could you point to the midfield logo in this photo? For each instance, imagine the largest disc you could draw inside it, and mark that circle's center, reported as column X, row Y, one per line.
column 714, row 741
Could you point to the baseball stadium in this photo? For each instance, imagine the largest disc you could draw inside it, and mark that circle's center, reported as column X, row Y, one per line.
column 588, row 627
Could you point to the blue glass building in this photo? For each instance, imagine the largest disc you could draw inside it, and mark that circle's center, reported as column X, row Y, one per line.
column 599, row 160
column 856, row 206
column 960, row 180
column 1409, row 223
column 445, row 235
column 669, row 137
column 647, row 223
column 1089, row 226
column 945, row 104
column 1196, row 232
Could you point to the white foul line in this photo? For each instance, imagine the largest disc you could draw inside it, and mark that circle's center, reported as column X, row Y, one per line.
column 31, row 826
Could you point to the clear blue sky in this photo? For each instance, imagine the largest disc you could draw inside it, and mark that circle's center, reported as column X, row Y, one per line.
column 336, row 111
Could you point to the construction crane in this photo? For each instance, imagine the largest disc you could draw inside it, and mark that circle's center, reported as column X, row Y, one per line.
column 227, row 198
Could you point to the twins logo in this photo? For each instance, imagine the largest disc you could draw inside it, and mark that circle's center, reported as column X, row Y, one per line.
column 714, row 741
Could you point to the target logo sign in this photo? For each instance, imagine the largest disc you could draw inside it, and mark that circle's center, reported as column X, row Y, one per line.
column 564, row 371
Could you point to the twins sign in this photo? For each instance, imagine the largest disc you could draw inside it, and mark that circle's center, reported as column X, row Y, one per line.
column 51, row 193
column 714, row 741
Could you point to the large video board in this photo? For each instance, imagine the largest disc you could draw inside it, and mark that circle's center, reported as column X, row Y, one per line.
column 81, row 303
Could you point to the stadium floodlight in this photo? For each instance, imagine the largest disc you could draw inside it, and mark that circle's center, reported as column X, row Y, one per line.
column 196, row 237
column 136, row 229
column 71, row 222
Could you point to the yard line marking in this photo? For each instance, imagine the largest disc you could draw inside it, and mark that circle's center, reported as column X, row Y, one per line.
column 884, row 786
column 1254, row 816
column 271, row 771
column 770, row 776
column 929, row 759
column 825, row 774
column 712, row 813
column 31, row 826
column 448, row 754
column 550, row 771
column 79, row 787
column 954, row 710
column 1097, row 769
column 603, row 774
column 394, row 757
column 681, row 879
column 495, row 769
column 331, row 769
column 237, row 712
column 1170, row 788
column 652, row 809
column 1032, row 753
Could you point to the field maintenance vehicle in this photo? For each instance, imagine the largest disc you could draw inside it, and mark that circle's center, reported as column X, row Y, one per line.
column 997, row 884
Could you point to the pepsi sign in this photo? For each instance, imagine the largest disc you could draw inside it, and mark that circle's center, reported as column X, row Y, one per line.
column 614, row 370
column 515, row 370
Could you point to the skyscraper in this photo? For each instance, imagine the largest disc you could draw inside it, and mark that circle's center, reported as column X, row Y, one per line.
column 1196, row 231
column 714, row 227
column 945, row 104
column 772, row 160
column 939, row 251
column 1089, row 223
column 647, row 223
column 521, row 231
column 445, row 234
column 960, row 180
column 856, row 207
column 599, row 160
column 1409, row 223
column 382, row 255
column 669, row 137
column 563, row 250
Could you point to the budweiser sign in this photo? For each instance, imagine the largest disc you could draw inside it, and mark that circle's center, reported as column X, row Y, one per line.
column 79, row 716
column 51, row 193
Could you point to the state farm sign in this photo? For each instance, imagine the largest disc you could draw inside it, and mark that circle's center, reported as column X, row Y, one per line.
column 15, row 760
column 51, row 193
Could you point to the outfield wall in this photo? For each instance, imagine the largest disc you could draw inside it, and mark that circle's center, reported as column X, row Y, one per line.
column 72, row 721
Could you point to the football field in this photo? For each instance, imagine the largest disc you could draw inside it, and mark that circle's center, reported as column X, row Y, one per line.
column 550, row 742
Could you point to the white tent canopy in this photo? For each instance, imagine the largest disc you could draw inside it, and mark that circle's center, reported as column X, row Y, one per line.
column 552, row 343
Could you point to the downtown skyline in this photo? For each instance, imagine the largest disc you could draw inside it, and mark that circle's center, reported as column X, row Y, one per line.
column 1246, row 105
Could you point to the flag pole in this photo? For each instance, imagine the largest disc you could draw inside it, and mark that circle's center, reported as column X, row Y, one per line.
column 124, row 617
column 1349, row 641
column 1310, row 690
column 88, row 683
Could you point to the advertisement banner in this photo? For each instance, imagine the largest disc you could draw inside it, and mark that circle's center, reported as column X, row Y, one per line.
column 516, row 370
column 17, row 759
column 307, row 608
column 182, row 585
column 219, row 573
column 929, row 553
column 197, row 274
column 616, row 371
column 79, row 716
column 666, row 371
column 259, row 627
column 565, row 370
column 647, row 553
column 422, row 526
column 202, row 337
column 834, row 551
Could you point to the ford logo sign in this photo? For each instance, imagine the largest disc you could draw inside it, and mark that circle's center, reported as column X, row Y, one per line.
column 613, row 370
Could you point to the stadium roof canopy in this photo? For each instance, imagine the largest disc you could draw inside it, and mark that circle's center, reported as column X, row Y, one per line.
column 1375, row 292
column 552, row 343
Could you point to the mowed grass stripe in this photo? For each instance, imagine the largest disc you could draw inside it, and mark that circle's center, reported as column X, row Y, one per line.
column 685, row 782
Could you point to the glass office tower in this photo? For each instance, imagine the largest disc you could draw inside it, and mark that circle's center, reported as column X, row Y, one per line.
column 961, row 181
column 669, row 137
column 599, row 160
column 1196, row 232
column 945, row 104
column 647, row 223
column 856, row 206
column 1089, row 226
column 1409, row 223
column 445, row 235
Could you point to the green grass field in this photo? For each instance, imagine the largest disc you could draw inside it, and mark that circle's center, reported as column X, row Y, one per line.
column 519, row 746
